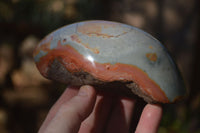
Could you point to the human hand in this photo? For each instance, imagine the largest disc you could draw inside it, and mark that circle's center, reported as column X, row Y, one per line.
column 85, row 111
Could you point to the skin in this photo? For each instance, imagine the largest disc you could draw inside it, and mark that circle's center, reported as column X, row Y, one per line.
column 86, row 111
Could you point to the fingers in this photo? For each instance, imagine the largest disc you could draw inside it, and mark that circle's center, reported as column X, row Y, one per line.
column 150, row 119
column 70, row 114
column 97, row 120
column 66, row 96
column 121, row 116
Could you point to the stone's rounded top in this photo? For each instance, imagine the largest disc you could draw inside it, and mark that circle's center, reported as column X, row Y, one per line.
column 110, row 51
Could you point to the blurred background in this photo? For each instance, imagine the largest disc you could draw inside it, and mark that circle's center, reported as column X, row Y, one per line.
column 26, row 97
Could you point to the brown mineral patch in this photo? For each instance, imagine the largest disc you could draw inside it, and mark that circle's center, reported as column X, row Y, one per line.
column 86, row 45
column 151, row 47
column 64, row 40
column 152, row 56
column 75, row 38
column 89, row 28
column 95, row 29
column 96, row 51
column 44, row 45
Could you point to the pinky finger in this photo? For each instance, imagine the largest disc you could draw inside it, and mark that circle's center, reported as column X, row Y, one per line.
column 150, row 119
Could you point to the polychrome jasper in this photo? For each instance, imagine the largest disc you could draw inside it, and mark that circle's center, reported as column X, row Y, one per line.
column 110, row 55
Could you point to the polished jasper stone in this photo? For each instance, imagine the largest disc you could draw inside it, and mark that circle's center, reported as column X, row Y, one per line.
column 105, row 53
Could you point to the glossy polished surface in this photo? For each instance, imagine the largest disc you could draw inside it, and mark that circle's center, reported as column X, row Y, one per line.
column 111, row 51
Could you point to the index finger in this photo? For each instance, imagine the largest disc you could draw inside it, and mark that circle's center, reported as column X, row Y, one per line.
column 66, row 96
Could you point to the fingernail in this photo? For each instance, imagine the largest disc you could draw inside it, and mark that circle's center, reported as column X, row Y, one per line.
column 83, row 91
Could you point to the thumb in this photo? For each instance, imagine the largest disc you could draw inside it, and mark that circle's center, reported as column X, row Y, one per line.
column 70, row 115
